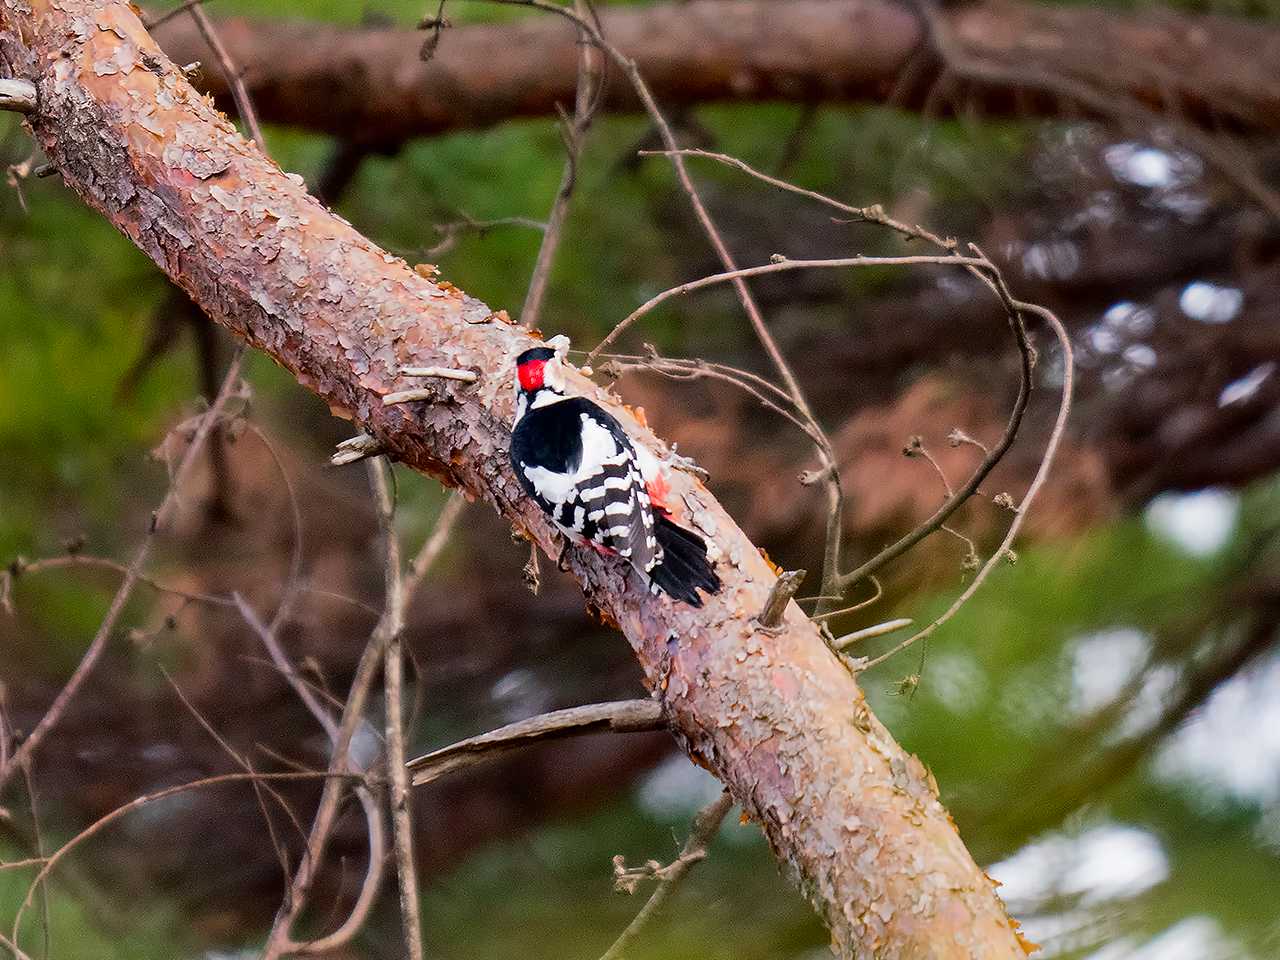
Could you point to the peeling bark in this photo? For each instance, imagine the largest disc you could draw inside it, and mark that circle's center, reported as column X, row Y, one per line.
column 854, row 819
column 369, row 85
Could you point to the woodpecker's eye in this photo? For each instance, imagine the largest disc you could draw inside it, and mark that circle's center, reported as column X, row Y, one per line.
column 531, row 372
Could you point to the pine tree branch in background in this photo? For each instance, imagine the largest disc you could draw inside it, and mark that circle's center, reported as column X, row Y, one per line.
column 370, row 86
column 774, row 714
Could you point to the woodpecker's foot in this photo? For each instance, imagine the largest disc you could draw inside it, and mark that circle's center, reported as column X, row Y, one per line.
column 564, row 553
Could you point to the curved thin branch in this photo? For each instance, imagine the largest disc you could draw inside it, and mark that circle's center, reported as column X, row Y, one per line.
column 1003, row 553
column 106, row 820
column 623, row 716
column 780, row 265
column 986, row 271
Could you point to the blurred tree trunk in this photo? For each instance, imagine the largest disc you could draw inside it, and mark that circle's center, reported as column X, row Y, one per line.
column 1005, row 58
column 774, row 714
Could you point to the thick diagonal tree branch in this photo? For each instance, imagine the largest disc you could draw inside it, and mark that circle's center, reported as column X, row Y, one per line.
column 851, row 816
column 370, row 84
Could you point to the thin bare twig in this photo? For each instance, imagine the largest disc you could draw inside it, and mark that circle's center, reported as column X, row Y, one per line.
column 1004, row 552
column 33, row 802
column 106, row 820
column 433, row 546
column 286, row 668
column 18, row 952
column 243, row 762
column 279, row 941
column 393, row 686
column 705, row 826
column 861, row 604
column 622, row 716
column 990, row 275
column 168, row 15
column 24, row 568
column 451, row 232
column 742, row 379
column 875, row 630
column 132, row 576
column 574, row 131
column 829, row 472
column 239, row 93
column 781, row 265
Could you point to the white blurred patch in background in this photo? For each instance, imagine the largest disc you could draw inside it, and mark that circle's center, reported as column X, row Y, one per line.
column 1231, row 744
column 1200, row 523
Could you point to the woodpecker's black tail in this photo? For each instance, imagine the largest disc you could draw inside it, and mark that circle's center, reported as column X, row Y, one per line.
column 684, row 565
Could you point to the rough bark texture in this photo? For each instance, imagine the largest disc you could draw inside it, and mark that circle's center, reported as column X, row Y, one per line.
column 853, row 818
column 369, row 84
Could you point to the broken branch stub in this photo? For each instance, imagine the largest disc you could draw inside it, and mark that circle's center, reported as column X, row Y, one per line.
column 851, row 816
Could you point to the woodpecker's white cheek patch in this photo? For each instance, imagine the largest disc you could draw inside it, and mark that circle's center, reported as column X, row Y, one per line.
column 544, row 398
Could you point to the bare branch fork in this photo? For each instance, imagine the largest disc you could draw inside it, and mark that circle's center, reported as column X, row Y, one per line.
column 383, row 643
column 48, row 864
column 878, row 855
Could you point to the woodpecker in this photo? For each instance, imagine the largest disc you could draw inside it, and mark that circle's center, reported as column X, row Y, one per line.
column 578, row 464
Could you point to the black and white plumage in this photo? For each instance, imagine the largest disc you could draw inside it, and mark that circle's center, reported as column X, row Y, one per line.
column 578, row 464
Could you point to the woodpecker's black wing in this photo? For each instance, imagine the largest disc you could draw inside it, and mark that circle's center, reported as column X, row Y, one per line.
column 575, row 460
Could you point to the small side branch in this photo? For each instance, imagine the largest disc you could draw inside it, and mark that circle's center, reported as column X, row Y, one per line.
column 623, row 716
column 239, row 93
column 355, row 449
column 445, row 373
column 787, row 586
column 17, row 96
column 393, row 688
column 574, row 131
column 875, row 630
column 705, row 826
